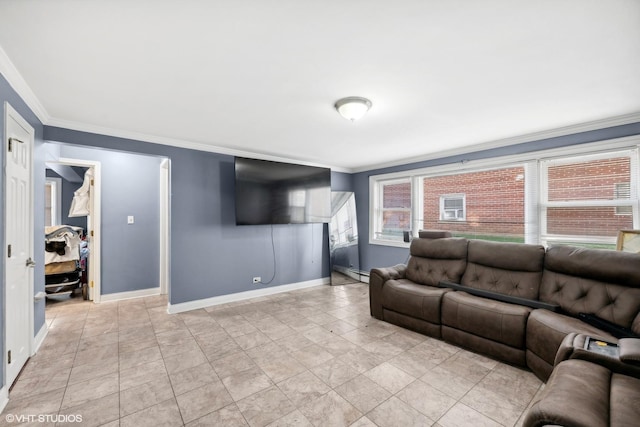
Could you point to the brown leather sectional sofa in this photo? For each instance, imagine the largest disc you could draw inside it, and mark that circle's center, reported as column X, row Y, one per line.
column 514, row 302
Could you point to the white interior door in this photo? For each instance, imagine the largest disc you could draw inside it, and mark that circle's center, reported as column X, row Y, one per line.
column 18, row 323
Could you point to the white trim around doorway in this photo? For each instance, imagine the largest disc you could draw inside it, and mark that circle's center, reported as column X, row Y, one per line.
column 165, row 221
column 95, row 248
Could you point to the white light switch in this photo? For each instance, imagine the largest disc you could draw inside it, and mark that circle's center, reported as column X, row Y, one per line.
column 130, row 219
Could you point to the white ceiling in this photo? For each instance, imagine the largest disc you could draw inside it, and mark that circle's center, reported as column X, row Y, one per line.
column 261, row 76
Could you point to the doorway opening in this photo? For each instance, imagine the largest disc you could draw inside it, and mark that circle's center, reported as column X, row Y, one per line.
column 131, row 229
column 74, row 269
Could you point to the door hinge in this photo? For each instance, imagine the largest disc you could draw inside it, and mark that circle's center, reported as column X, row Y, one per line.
column 91, row 233
column 92, row 182
column 8, row 251
column 9, row 357
column 91, row 284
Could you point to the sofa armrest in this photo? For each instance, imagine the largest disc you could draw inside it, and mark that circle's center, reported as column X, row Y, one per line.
column 388, row 273
column 630, row 350
column 574, row 346
column 377, row 278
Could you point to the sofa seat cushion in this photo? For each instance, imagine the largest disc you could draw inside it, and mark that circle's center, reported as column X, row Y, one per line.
column 415, row 300
column 623, row 400
column 546, row 330
column 581, row 393
column 495, row 320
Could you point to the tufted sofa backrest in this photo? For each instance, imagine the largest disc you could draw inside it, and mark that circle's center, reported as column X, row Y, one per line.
column 513, row 269
column 435, row 260
column 595, row 281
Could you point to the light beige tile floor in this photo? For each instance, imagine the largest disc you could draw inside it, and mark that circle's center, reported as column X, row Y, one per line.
column 313, row 357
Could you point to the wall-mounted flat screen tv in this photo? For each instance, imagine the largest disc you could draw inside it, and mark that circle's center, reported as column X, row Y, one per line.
column 281, row 193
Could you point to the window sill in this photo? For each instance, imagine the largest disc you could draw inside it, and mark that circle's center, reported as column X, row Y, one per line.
column 391, row 243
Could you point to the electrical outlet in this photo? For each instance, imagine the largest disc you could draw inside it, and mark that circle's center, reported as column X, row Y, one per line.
column 257, row 279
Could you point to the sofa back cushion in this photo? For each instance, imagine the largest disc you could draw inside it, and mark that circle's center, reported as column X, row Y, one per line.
column 513, row 269
column 595, row 281
column 434, row 260
column 434, row 234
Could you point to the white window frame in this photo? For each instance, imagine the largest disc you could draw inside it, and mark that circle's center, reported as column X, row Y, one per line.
column 445, row 197
column 535, row 223
column 377, row 191
column 547, row 238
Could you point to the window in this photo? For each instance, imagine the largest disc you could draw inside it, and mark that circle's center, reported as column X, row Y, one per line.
column 480, row 204
column 477, row 204
column 452, row 207
column 581, row 195
column 394, row 210
column 588, row 199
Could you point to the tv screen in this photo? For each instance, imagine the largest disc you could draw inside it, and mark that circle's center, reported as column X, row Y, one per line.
column 281, row 193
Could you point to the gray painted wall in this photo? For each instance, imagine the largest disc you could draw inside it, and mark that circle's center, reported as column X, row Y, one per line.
column 210, row 255
column 7, row 94
column 130, row 186
column 341, row 181
column 382, row 256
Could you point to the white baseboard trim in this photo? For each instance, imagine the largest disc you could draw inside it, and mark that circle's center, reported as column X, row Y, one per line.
column 4, row 398
column 239, row 296
column 39, row 338
column 130, row 294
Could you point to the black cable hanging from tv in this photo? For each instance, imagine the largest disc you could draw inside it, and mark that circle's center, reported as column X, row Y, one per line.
column 273, row 251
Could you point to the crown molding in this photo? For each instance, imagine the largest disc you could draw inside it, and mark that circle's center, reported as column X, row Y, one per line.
column 19, row 84
column 180, row 143
column 520, row 139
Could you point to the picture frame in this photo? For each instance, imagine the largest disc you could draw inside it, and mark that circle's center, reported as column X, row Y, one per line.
column 628, row 241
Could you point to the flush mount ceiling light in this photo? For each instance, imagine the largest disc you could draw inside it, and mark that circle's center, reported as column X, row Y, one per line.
column 353, row 107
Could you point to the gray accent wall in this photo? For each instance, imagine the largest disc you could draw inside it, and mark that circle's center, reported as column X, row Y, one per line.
column 130, row 258
column 7, row 94
column 210, row 255
column 341, row 181
column 383, row 256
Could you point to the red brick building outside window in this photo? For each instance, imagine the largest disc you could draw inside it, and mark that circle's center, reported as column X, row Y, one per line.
column 494, row 204
column 583, row 200
column 603, row 180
